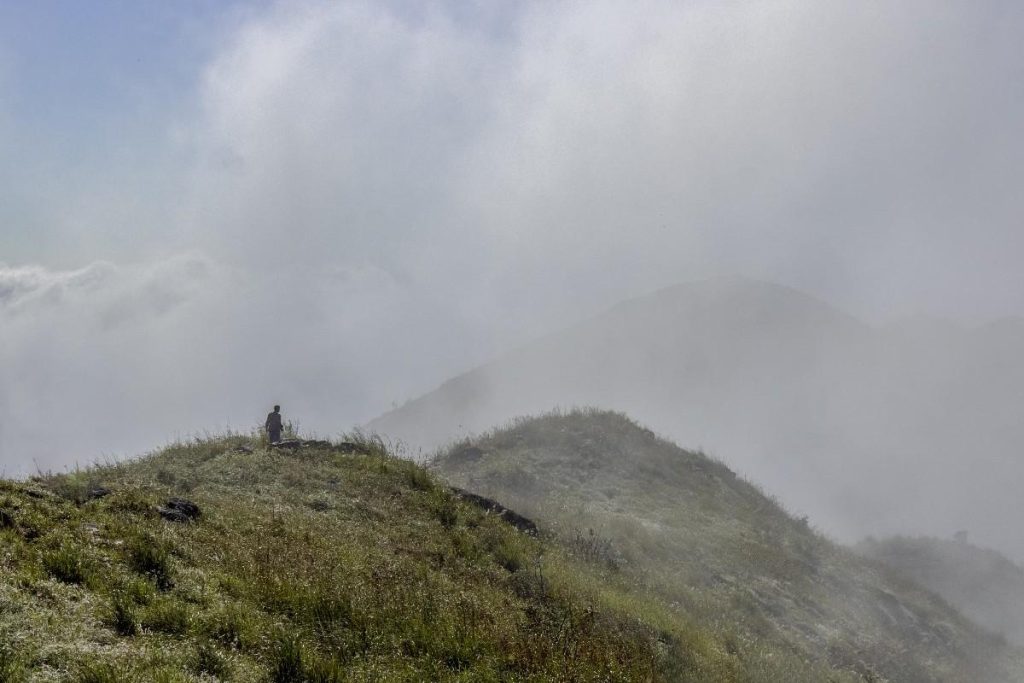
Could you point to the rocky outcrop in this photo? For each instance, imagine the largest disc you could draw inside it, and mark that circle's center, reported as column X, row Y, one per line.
column 180, row 510
column 344, row 447
column 492, row 506
column 98, row 492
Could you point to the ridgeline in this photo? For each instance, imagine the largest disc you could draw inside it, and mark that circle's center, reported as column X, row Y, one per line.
column 575, row 547
column 306, row 565
column 788, row 603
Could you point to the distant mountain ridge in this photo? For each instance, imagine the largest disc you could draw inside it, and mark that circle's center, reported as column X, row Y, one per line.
column 868, row 429
column 669, row 323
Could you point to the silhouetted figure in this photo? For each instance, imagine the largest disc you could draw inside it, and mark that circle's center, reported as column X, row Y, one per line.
column 274, row 425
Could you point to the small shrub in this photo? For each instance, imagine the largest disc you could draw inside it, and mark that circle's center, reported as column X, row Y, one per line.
column 531, row 585
column 448, row 516
column 325, row 671
column 329, row 608
column 130, row 501
column 509, row 555
column 465, row 545
column 231, row 586
column 11, row 668
column 138, row 590
column 506, row 549
column 73, row 487
column 66, row 564
column 149, row 556
column 122, row 615
column 418, row 477
column 167, row 616
column 446, row 510
column 287, row 660
column 166, row 477
column 167, row 675
column 230, row 626
column 595, row 549
column 320, row 504
column 209, row 661
column 292, row 663
column 93, row 672
column 33, row 525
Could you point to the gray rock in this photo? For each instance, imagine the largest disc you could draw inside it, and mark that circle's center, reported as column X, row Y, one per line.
column 492, row 506
column 180, row 510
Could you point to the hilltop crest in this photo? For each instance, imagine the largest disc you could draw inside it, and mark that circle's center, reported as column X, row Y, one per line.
column 839, row 418
column 683, row 526
column 306, row 565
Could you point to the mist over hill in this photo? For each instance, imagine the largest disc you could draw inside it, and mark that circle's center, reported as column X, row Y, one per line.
column 910, row 427
column 719, row 552
column 335, row 562
column 983, row 584
column 329, row 564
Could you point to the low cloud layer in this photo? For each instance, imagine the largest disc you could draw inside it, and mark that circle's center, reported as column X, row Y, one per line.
column 113, row 360
column 357, row 200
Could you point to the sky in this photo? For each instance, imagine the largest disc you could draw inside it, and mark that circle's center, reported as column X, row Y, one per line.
column 207, row 208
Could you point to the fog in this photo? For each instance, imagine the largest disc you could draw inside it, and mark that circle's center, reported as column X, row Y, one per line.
column 337, row 207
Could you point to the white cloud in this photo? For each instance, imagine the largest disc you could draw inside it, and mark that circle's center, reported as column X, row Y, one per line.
column 113, row 360
column 91, row 355
column 842, row 147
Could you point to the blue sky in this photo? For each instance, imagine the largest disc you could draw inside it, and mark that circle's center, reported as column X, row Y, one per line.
column 90, row 92
column 97, row 95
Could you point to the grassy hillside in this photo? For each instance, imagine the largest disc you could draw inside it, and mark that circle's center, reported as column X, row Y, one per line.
column 830, row 413
column 682, row 526
column 308, row 566
column 983, row 584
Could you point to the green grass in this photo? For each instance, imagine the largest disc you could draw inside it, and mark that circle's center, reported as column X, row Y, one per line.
column 392, row 578
column 319, row 566
column 66, row 564
column 11, row 665
column 123, row 617
column 150, row 557
column 677, row 539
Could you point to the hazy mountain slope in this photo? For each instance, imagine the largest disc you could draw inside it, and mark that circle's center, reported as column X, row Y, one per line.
column 983, row 584
column 703, row 343
column 318, row 566
column 871, row 430
column 722, row 553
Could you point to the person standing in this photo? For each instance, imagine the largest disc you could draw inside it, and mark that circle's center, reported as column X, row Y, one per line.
column 274, row 425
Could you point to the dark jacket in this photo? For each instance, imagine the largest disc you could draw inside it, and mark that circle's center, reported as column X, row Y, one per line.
column 274, row 422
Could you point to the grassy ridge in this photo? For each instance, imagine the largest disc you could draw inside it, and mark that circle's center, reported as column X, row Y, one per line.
column 790, row 604
column 315, row 566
